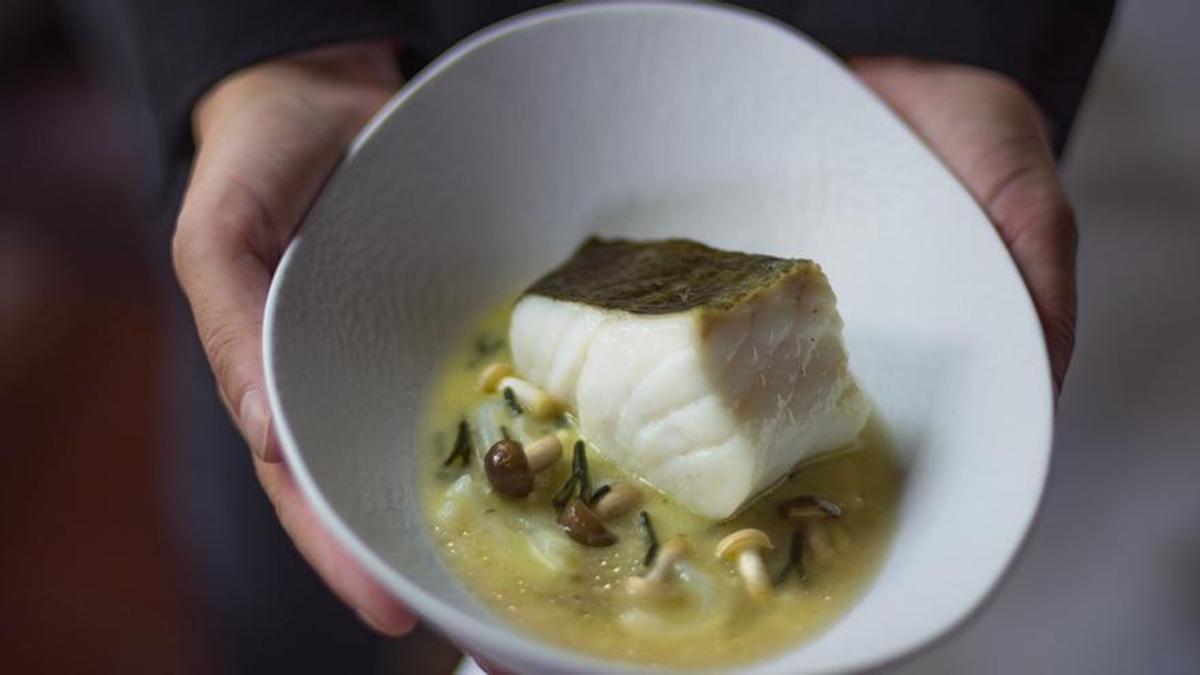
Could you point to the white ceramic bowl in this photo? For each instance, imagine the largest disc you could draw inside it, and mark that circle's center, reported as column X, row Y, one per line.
column 652, row 121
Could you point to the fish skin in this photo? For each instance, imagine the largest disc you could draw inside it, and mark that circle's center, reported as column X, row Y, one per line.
column 711, row 408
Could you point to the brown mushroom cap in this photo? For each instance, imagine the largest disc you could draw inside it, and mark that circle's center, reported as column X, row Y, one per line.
column 807, row 506
column 584, row 526
column 507, row 469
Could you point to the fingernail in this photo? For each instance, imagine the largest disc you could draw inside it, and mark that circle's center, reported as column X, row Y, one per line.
column 256, row 422
column 390, row 631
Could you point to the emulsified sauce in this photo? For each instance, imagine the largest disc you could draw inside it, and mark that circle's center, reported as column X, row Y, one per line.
column 513, row 554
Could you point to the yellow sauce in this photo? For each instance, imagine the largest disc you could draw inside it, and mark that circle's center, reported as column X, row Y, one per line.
column 514, row 556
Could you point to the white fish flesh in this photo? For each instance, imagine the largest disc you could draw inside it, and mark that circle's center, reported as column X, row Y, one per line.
column 709, row 374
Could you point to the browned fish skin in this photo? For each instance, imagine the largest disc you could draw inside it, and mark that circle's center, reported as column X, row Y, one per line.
column 663, row 277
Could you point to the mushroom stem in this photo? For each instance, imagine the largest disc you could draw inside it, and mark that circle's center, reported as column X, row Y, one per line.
column 490, row 377
column 653, row 583
column 620, row 498
column 543, row 452
column 754, row 573
column 672, row 550
column 744, row 547
column 817, row 540
column 531, row 397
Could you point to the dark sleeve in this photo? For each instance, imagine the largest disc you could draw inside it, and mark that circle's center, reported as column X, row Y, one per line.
column 1049, row 46
column 183, row 46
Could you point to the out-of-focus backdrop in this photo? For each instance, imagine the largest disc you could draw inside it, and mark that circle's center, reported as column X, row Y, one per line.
column 90, row 581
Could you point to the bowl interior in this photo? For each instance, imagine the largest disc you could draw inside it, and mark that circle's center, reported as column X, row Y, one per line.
column 653, row 121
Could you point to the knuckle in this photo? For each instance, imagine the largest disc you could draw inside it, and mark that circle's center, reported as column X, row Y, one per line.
column 236, row 218
column 241, row 214
column 1060, row 336
column 1060, row 341
column 183, row 250
column 221, row 340
column 1035, row 209
column 1067, row 224
column 1061, row 326
column 1050, row 213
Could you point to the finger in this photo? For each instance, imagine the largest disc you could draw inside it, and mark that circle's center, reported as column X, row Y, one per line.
column 1038, row 225
column 352, row 584
column 226, row 288
column 253, row 178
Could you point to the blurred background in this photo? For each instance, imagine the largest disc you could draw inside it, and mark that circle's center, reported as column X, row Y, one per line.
column 93, row 578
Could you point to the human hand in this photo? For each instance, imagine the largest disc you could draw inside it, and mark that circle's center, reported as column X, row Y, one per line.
column 267, row 138
column 992, row 135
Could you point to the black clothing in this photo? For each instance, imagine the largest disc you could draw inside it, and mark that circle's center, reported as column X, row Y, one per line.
column 184, row 46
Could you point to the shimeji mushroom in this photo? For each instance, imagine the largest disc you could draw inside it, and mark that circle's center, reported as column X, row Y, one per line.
column 489, row 377
column 655, row 582
column 808, row 512
column 510, row 467
column 745, row 547
column 498, row 377
column 585, row 524
column 806, row 507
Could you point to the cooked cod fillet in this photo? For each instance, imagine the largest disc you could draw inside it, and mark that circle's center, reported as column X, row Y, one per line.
column 707, row 373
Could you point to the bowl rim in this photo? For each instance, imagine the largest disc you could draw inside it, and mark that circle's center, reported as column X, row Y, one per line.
column 512, row 640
